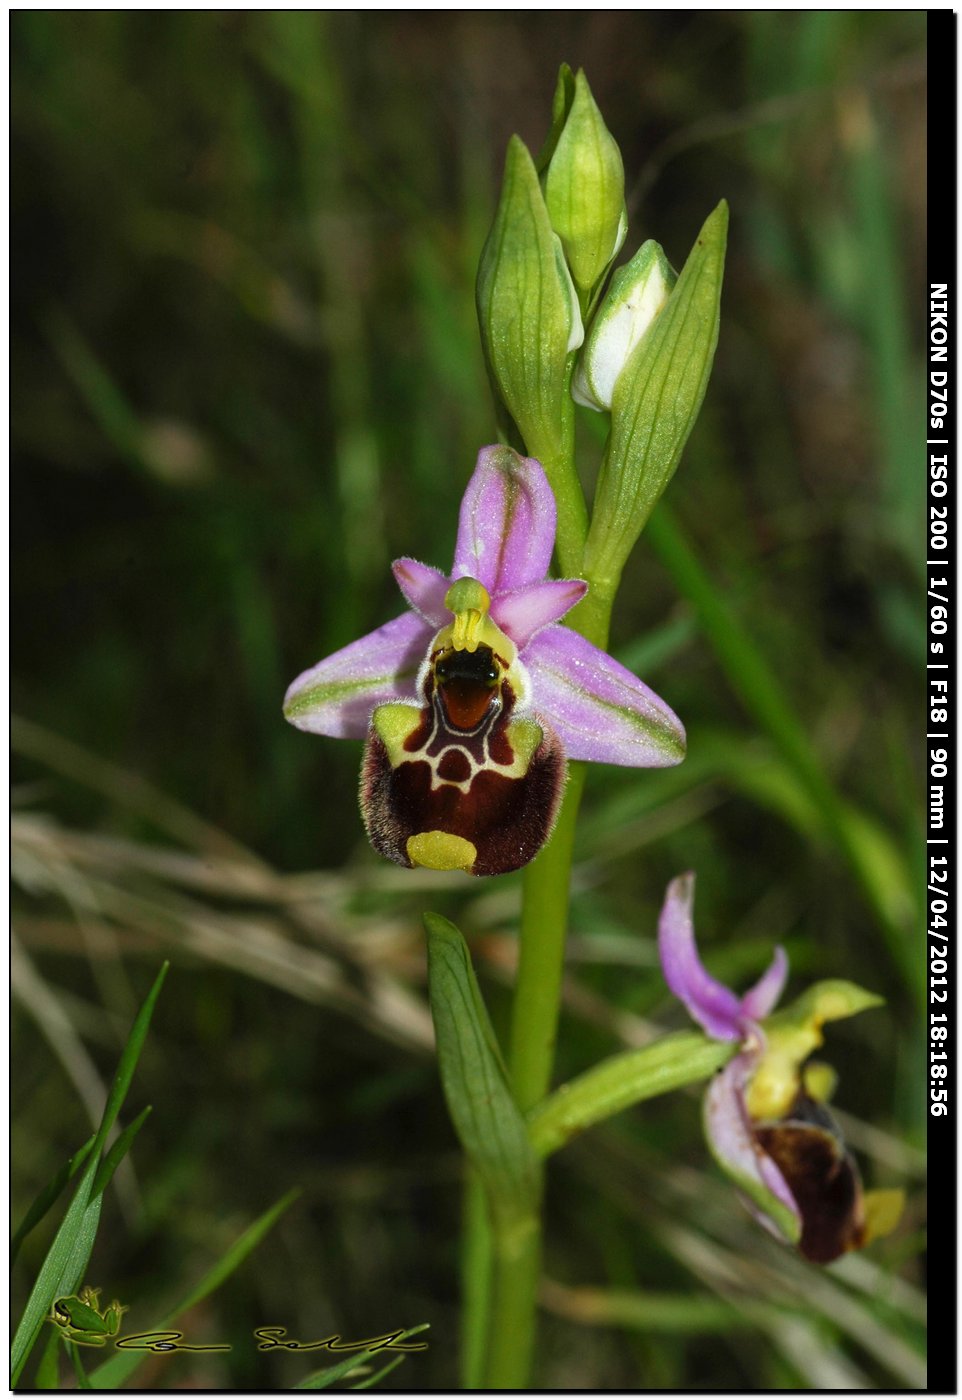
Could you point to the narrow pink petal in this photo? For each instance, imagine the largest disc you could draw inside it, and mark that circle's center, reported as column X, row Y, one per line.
column 527, row 611
column 599, row 710
column 336, row 696
column 716, row 1009
column 507, row 523
column 424, row 588
column 733, row 1145
column 761, row 999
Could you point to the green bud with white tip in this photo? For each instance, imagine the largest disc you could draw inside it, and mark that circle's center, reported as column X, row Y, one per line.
column 637, row 293
column 654, row 404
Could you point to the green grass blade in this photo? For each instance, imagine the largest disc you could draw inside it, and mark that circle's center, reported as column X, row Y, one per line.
column 76, row 1260
column 320, row 1380
column 655, row 1312
column 762, row 694
column 111, row 1160
column 48, row 1371
column 236, row 1254
column 128, row 1061
column 47, row 1286
column 121, row 1366
column 67, row 1257
column 49, row 1196
column 83, row 1381
column 378, row 1375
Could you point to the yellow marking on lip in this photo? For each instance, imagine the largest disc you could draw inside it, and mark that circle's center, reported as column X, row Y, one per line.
column 440, row 850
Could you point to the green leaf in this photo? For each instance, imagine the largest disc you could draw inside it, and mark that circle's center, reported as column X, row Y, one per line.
column 686, row 1057
column 112, row 1374
column 655, row 403
column 486, row 1119
column 49, row 1196
column 320, row 1380
column 67, row 1258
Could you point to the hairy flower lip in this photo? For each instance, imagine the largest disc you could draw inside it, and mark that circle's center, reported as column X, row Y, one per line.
column 599, row 710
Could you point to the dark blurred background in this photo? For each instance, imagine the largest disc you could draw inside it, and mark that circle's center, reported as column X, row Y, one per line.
column 246, row 375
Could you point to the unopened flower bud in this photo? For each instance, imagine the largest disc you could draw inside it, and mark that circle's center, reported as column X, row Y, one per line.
column 654, row 404
column 637, row 293
column 584, row 187
column 527, row 308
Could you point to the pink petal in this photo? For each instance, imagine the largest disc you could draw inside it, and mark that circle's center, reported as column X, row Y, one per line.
column 507, row 522
column 761, row 999
column 733, row 1145
column 527, row 611
column 599, row 710
column 336, row 696
column 424, row 588
column 716, row 1009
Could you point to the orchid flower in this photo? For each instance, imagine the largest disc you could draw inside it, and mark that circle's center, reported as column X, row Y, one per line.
column 765, row 1118
column 472, row 701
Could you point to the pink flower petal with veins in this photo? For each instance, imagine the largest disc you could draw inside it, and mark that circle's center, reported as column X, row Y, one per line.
column 528, row 611
column 507, row 523
column 709, row 1002
column 336, row 696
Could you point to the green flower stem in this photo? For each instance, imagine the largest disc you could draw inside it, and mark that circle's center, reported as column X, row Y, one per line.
column 623, row 1081
column 544, row 924
column 476, row 1266
column 557, row 458
column 537, row 1004
column 592, row 616
column 544, row 904
column 534, row 1025
column 516, row 1269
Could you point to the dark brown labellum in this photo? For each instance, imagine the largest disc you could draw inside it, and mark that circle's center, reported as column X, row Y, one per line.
column 461, row 782
column 808, row 1150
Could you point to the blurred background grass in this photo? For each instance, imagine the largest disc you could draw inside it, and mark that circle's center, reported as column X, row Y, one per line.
column 246, row 376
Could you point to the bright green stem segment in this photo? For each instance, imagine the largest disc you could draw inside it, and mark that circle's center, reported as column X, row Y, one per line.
column 559, row 466
column 515, row 1252
column 475, row 1281
column 516, row 1267
column 544, row 924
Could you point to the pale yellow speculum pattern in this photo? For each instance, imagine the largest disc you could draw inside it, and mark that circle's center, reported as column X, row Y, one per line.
column 393, row 723
column 524, row 736
column 439, row 850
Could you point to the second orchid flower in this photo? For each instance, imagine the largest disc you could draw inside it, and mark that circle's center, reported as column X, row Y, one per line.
column 766, row 1119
